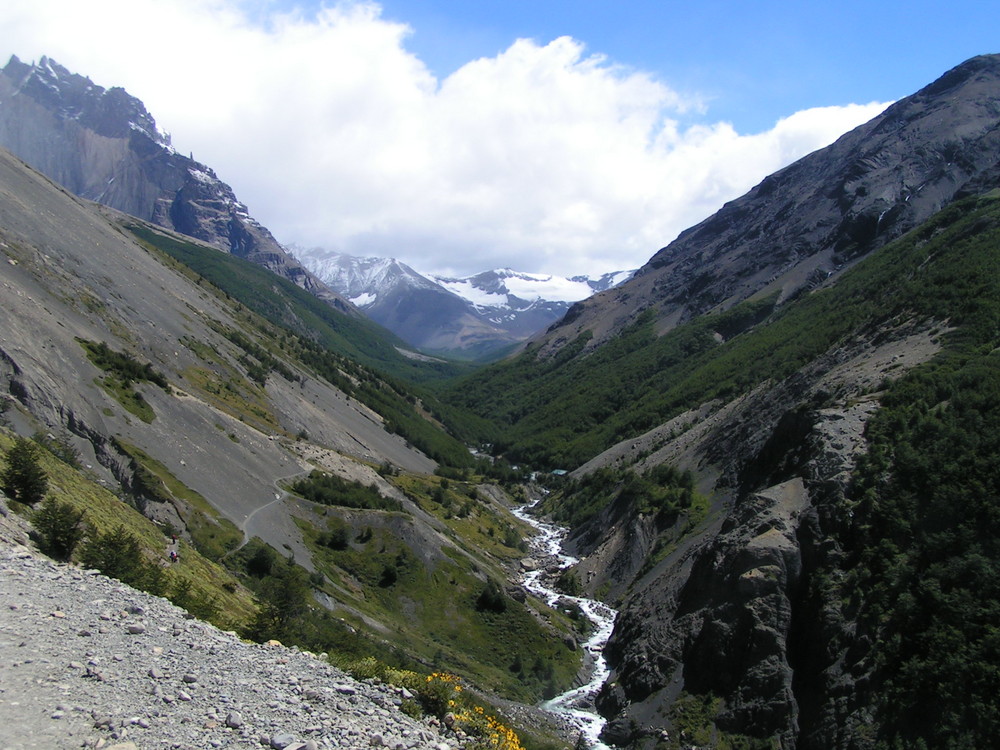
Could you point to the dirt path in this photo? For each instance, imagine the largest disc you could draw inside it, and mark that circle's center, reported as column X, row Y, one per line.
column 273, row 523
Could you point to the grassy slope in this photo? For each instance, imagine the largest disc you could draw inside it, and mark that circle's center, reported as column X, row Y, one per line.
column 428, row 602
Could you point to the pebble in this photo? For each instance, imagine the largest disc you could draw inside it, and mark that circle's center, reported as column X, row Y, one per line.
column 105, row 689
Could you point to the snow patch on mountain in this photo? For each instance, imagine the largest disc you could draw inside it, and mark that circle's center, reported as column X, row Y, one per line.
column 468, row 291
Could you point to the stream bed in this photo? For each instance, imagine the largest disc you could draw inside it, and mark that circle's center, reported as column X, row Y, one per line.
column 576, row 705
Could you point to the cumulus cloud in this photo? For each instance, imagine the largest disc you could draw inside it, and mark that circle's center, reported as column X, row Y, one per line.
column 544, row 158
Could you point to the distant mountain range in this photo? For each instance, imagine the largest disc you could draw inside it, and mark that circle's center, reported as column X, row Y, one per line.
column 474, row 317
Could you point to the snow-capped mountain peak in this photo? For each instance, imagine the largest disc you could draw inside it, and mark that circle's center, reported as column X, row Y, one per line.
column 475, row 315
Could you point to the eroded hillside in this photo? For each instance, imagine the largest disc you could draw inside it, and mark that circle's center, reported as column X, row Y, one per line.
column 257, row 446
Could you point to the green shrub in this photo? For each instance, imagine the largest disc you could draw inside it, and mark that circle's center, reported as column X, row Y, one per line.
column 118, row 554
column 492, row 598
column 61, row 447
column 329, row 489
column 185, row 596
column 337, row 536
column 284, row 604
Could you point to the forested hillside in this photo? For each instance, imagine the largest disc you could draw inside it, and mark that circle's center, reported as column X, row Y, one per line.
column 885, row 575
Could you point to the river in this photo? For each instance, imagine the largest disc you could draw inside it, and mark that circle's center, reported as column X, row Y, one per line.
column 576, row 705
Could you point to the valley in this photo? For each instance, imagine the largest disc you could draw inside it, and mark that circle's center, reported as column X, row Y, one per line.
column 745, row 499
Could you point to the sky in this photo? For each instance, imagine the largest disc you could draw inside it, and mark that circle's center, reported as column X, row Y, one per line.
column 458, row 136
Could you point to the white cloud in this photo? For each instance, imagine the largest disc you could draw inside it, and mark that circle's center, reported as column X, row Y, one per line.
column 543, row 158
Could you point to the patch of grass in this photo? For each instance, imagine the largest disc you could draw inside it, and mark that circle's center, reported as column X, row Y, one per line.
column 329, row 489
column 233, row 394
column 692, row 721
column 477, row 526
column 428, row 601
column 123, row 371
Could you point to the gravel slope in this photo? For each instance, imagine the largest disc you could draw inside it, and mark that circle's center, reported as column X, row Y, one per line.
column 88, row 662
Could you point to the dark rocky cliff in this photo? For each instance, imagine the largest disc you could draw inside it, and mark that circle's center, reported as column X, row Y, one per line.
column 732, row 611
column 102, row 145
column 806, row 223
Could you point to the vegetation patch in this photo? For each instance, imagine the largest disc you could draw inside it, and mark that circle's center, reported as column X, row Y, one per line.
column 123, row 372
column 477, row 526
column 692, row 724
column 373, row 562
column 329, row 489
column 663, row 492
column 925, row 540
column 110, row 525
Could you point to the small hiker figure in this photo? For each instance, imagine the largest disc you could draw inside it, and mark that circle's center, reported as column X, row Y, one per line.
column 173, row 556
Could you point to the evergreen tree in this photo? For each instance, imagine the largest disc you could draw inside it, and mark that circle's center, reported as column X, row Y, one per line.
column 60, row 528
column 24, row 479
column 284, row 602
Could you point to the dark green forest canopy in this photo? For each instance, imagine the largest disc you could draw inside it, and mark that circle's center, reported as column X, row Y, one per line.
column 924, row 545
column 559, row 412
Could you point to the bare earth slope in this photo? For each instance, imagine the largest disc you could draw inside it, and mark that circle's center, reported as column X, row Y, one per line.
column 67, row 273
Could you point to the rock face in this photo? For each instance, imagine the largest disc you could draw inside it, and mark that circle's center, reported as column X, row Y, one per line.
column 102, row 145
column 811, row 220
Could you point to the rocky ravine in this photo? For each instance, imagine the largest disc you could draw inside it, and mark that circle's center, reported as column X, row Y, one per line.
column 732, row 610
column 86, row 661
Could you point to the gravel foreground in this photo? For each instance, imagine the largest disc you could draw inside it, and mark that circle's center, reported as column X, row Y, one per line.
column 86, row 661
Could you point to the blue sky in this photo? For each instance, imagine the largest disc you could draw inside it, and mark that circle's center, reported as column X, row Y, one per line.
column 548, row 137
column 754, row 62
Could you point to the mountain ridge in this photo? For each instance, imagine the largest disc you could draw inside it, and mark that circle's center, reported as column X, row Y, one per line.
column 811, row 220
column 103, row 145
column 763, row 449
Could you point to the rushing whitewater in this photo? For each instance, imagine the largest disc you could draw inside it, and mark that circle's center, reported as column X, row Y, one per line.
column 577, row 704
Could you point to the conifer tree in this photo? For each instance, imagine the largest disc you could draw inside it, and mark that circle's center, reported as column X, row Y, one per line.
column 24, row 479
column 60, row 528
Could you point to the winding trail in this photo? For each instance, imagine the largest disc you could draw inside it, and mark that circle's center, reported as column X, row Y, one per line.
column 576, row 705
column 248, row 527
